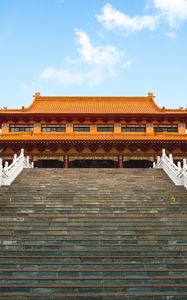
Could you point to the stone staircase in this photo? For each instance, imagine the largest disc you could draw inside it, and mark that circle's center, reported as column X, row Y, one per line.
column 93, row 234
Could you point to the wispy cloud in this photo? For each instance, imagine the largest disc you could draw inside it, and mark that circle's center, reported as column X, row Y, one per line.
column 92, row 65
column 61, row 76
column 97, row 55
column 173, row 12
column 172, row 35
column 112, row 18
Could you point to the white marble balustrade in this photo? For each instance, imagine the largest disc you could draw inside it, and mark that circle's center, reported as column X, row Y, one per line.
column 9, row 172
column 177, row 173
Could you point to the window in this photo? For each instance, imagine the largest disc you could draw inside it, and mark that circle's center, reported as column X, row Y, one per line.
column 133, row 128
column 105, row 128
column 165, row 128
column 21, row 128
column 80, row 127
column 53, row 128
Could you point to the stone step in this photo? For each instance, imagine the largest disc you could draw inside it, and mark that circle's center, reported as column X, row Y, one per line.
column 89, row 206
column 95, row 280
column 99, row 231
column 113, row 228
column 96, row 266
column 34, row 288
column 101, row 274
column 85, row 218
column 67, row 236
column 88, row 238
column 91, row 259
column 76, row 248
column 99, row 296
column 10, row 251
column 93, row 234
column 152, row 244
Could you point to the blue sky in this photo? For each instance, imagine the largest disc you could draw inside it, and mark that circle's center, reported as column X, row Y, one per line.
column 93, row 47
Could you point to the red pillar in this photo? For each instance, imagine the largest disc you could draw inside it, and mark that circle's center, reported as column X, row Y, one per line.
column 120, row 162
column 66, row 162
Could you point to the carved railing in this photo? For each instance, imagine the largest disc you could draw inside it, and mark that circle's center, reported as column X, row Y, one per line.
column 10, row 172
column 177, row 173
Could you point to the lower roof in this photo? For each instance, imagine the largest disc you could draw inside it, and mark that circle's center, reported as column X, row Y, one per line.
column 92, row 137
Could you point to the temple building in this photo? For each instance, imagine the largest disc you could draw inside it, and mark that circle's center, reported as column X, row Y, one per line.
column 80, row 131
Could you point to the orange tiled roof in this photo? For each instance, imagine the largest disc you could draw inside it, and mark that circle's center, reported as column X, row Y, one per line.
column 92, row 105
column 92, row 137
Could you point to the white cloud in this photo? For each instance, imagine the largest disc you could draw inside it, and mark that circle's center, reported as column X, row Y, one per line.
column 173, row 10
column 112, row 18
column 93, row 65
column 170, row 11
column 97, row 55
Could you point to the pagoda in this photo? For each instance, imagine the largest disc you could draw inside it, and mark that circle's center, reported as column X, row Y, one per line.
column 81, row 131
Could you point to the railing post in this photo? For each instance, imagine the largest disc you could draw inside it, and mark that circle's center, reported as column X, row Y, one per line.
column 170, row 158
column 15, row 157
column 179, row 166
column 6, row 166
column 163, row 152
column 158, row 159
column 27, row 158
column 22, row 152
column 184, row 164
column 32, row 164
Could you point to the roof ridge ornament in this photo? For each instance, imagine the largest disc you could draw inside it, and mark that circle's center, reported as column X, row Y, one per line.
column 37, row 95
column 150, row 95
